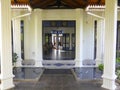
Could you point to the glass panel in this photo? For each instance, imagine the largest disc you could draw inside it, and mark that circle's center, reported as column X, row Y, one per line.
column 22, row 39
column 73, row 41
column 58, row 42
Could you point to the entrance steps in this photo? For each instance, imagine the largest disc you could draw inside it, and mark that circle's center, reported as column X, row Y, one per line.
column 58, row 64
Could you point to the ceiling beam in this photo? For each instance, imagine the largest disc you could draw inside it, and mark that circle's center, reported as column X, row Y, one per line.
column 43, row 4
column 58, row 3
column 99, row 1
column 67, row 5
column 76, row 2
column 85, row 1
column 15, row 1
column 70, row 3
column 34, row 1
column 50, row 4
column 81, row 3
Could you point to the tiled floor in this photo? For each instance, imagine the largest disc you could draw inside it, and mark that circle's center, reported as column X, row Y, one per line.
column 88, row 73
column 58, row 80
column 59, row 55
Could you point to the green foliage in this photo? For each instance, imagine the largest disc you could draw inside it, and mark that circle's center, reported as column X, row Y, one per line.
column 101, row 67
column 14, row 57
column 118, row 74
column 118, row 60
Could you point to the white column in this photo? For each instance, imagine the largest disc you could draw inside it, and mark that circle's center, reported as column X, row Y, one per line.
column 100, row 37
column 17, row 40
column 38, row 37
column 110, row 44
column 79, row 37
column 5, row 45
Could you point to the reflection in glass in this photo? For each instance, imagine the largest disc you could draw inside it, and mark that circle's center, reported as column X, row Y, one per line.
column 22, row 38
column 57, row 43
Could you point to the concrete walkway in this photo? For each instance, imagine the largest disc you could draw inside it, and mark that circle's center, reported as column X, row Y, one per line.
column 58, row 80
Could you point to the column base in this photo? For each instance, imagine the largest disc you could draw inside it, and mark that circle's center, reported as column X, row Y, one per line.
column 7, row 83
column 109, row 82
column 19, row 63
column 38, row 63
column 98, row 61
column 78, row 63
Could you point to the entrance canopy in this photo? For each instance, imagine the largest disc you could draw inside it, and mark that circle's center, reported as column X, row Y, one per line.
column 58, row 4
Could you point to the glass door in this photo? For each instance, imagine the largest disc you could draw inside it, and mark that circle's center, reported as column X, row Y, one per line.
column 66, row 41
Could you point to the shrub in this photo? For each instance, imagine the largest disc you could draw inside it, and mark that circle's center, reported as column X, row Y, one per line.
column 14, row 57
column 118, row 60
column 101, row 67
column 118, row 74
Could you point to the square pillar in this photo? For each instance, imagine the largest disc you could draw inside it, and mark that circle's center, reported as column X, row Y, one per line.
column 17, row 40
column 79, row 37
column 110, row 44
column 5, row 45
column 38, row 37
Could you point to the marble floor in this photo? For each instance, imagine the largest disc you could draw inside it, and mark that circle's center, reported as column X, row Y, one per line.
column 59, row 55
column 34, row 73
column 57, row 79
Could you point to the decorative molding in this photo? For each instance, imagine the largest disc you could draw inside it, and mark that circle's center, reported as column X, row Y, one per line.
column 58, row 64
column 21, row 7
column 97, row 8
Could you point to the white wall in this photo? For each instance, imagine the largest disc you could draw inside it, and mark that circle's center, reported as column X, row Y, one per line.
column 29, row 30
column 89, row 20
column 29, row 33
column 119, row 15
column 88, row 37
column 65, row 14
column 29, row 37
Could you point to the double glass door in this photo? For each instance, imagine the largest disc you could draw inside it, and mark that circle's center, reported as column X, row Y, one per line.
column 66, row 41
column 58, row 40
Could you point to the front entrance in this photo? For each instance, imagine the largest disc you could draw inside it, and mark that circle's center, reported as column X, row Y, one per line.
column 58, row 40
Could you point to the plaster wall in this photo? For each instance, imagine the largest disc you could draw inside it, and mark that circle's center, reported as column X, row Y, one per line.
column 29, row 30
column 29, row 37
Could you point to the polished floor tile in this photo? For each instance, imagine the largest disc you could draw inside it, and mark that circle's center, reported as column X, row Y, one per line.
column 59, row 55
column 58, row 80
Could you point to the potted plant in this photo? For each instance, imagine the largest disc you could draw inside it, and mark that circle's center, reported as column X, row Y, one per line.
column 14, row 58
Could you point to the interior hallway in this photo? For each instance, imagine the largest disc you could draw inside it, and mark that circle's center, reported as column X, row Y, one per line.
column 59, row 55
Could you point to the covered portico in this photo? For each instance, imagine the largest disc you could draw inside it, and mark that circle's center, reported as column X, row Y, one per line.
column 37, row 16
